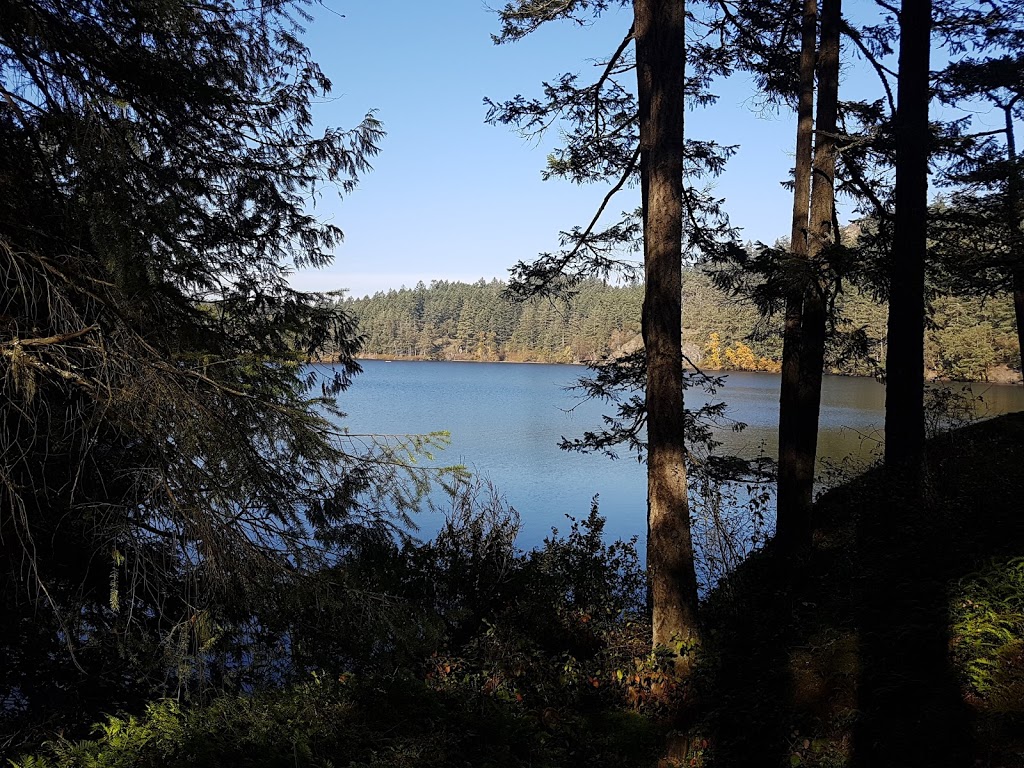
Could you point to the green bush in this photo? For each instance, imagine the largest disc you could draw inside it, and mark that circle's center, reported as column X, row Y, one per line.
column 464, row 651
column 988, row 634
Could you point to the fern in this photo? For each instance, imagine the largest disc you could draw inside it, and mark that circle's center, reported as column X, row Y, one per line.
column 988, row 626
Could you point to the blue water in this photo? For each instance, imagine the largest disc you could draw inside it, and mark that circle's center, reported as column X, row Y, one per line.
column 506, row 420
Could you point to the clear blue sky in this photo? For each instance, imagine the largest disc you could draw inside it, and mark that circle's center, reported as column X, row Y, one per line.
column 453, row 198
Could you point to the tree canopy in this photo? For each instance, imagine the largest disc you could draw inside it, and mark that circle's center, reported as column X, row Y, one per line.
column 162, row 447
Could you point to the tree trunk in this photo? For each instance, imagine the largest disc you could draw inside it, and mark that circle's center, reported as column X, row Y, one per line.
column 1018, row 310
column 791, row 504
column 1015, row 220
column 904, row 363
column 820, row 236
column 659, row 32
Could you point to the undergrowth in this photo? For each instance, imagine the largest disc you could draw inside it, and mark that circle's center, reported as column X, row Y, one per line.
column 988, row 635
column 477, row 654
column 898, row 641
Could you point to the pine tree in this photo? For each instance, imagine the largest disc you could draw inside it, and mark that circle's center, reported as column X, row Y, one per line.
column 904, row 400
column 162, row 449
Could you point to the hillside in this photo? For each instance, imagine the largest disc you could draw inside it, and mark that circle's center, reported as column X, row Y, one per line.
column 969, row 339
column 901, row 641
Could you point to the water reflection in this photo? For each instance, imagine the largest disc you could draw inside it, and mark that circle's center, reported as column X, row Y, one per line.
column 506, row 421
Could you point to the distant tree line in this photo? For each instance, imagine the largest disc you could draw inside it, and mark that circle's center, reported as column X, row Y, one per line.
column 969, row 338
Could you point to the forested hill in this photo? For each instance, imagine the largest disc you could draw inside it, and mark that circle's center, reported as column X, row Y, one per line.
column 968, row 338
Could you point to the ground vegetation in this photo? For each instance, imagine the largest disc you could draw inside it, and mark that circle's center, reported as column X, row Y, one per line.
column 869, row 651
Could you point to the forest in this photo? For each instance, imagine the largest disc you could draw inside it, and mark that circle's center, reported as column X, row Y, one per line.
column 967, row 338
column 202, row 565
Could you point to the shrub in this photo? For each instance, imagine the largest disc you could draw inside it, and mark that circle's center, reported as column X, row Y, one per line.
column 988, row 634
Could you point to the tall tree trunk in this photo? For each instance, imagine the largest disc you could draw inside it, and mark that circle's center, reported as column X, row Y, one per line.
column 904, row 363
column 1018, row 309
column 792, row 503
column 820, row 236
column 659, row 31
column 1015, row 221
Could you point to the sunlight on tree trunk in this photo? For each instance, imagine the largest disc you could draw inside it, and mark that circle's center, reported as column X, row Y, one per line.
column 659, row 30
column 1018, row 309
column 792, row 465
column 1015, row 219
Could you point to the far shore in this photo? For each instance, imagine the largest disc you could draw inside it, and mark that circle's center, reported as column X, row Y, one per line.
column 1000, row 377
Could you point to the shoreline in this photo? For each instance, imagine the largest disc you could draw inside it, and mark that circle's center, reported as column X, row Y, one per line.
column 930, row 377
column 387, row 359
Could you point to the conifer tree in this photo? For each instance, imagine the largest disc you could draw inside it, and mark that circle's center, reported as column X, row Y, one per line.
column 798, row 444
column 659, row 29
column 793, row 467
column 988, row 211
column 904, row 400
column 779, row 43
column 617, row 136
column 162, row 450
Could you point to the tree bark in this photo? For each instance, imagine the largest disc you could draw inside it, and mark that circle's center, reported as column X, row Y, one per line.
column 904, row 364
column 1018, row 310
column 659, row 31
column 792, row 504
column 820, row 236
column 1015, row 221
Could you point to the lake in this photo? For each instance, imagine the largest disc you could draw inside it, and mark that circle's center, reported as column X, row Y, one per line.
column 506, row 420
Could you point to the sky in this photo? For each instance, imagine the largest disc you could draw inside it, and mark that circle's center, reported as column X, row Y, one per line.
column 452, row 198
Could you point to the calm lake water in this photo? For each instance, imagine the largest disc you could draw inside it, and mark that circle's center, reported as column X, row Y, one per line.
column 506, row 420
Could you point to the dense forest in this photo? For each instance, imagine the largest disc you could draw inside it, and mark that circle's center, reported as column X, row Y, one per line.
column 201, row 565
column 968, row 338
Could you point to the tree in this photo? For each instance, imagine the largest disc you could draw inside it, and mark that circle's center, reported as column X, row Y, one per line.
column 795, row 523
column 659, row 30
column 613, row 136
column 797, row 278
column 793, row 466
column 904, row 367
column 163, row 450
column 995, row 203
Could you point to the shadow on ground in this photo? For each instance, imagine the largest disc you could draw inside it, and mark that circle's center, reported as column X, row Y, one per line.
column 845, row 657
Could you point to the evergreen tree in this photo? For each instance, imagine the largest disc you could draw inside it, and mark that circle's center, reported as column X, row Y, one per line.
column 659, row 31
column 793, row 464
column 766, row 38
column 162, row 450
column 615, row 136
column 988, row 211
column 904, row 400
column 795, row 523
